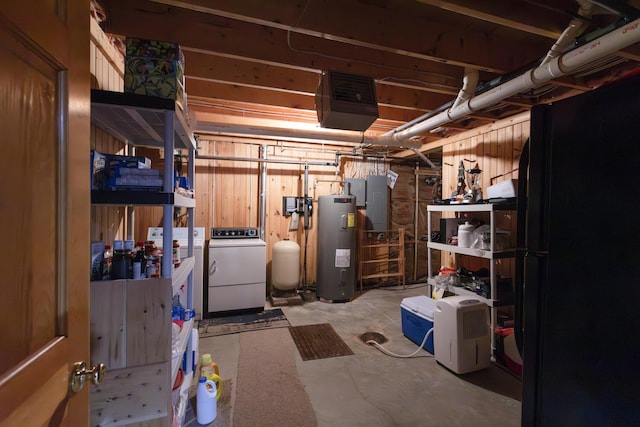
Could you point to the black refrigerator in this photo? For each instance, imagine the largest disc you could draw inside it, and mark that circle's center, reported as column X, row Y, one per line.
column 578, row 269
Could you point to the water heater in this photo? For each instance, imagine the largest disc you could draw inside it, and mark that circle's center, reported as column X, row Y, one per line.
column 461, row 334
column 336, row 277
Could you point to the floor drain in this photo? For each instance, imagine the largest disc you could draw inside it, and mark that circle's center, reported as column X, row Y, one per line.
column 373, row 336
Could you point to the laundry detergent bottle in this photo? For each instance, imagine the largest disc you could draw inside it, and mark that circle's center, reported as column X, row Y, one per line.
column 206, row 404
column 209, row 370
column 208, row 367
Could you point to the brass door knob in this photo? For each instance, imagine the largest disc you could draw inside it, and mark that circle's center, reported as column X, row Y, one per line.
column 80, row 374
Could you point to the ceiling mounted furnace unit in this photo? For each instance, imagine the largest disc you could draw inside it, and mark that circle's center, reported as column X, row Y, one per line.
column 346, row 101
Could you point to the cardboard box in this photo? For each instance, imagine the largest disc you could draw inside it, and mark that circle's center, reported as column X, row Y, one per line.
column 154, row 49
column 105, row 166
column 134, row 183
column 135, row 162
column 118, row 177
column 417, row 319
column 155, row 68
column 163, row 86
column 136, row 66
column 122, row 172
column 503, row 190
column 98, row 166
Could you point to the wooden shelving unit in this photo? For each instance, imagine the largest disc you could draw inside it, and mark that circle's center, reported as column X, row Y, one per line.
column 381, row 255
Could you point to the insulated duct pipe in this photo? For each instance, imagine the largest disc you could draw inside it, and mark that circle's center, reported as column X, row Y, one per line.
column 559, row 66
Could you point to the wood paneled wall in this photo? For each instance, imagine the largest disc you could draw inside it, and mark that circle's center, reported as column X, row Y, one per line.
column 496, row 148
column 107, row 72
column 228, row 192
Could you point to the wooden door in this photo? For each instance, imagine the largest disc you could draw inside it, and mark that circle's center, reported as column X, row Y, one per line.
column 44, row 210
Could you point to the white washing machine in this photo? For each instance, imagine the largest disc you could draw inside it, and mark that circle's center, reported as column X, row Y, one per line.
column 237, row 270
column 181, row 234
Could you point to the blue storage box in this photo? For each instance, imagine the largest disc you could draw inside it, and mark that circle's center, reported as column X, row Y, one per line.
column 417, row 319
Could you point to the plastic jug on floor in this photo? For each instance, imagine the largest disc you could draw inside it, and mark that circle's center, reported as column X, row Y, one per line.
column 209, row 370
column 208, row 366
column 206, row 404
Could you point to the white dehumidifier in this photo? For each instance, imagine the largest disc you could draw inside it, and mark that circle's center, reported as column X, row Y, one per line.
column 461, row 335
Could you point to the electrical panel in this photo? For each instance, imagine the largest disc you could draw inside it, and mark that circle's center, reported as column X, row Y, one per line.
column 357, row 187
column 377, row 202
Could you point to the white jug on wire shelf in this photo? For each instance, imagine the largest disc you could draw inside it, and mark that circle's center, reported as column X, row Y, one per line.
column 465, row 235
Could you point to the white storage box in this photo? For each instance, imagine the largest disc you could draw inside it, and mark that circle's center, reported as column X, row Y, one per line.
column 503, row 190
column 417, row 319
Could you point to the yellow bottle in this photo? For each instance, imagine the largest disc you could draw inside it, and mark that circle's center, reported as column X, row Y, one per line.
column 209, row 370
column 208, row 366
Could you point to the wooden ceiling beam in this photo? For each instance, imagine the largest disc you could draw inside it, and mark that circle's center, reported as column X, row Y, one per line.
column 250, row 112
column 208, row 64
column 517, row 15
column 416, row 36
column 395, row 104
column 140, row 18
column 529, row 17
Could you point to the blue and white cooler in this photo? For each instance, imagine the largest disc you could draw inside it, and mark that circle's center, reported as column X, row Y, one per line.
column 417, row 319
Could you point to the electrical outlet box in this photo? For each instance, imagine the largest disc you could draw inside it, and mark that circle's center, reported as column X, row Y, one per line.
column 289, row 205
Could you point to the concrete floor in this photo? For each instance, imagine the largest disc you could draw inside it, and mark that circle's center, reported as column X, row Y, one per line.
column 373, row 389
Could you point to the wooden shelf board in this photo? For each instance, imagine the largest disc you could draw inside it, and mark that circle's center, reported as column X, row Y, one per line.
column 380, row 275
column 374, row 261
column 383, row 245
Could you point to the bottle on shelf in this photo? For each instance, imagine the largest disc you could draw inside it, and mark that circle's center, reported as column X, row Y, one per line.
column 139, row 262
column 176, row 254
column 129, row 254
column 106, row 262
column 119, row 267
column 153, row 260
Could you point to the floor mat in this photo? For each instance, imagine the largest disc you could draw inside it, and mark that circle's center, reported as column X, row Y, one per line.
column 269, row 391
column 242, row 322
column 318, row 341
